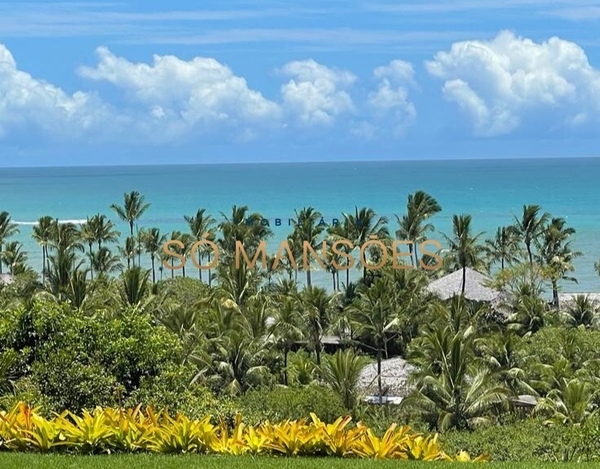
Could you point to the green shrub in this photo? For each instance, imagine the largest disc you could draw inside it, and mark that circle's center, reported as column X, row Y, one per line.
column 283, row 403
column 527, row 440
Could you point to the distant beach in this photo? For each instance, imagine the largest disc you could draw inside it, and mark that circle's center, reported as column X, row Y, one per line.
column 492, row 191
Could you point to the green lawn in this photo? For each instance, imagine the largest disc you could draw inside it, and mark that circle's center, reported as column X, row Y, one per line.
column 151, row 461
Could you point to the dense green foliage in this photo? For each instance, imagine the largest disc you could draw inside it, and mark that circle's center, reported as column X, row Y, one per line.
column 96, row 327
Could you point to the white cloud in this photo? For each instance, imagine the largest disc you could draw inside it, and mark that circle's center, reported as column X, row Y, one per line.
column 390, row 100
column 196, row 94
column 513, row 81
column 316, row 94
column 27, row 104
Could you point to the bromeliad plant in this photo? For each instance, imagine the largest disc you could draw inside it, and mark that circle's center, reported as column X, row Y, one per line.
column 131, row 430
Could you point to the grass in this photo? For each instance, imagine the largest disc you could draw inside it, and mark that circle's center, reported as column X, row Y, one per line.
column 152, row 461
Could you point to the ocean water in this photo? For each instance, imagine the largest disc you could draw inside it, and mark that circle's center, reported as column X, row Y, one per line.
column 492, row 191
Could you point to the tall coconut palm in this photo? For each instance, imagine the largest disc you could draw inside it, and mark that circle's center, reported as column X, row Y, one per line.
column 556, row 253
column 7, row 229
column 364, row 225
column 375, row 314
column 88, row 237
column 307, row 230
column 530, row 226
column 105, row 263
column 245, row 227
column 343, row 232
column 202, row 226
column 503, row 248
column 103, row 230
column 42, row 234
column 134, row 206
column 412, row 227
column 152, row 242
column 286, row 328
column 464, row 248
column 317, row 316
column 65, row 237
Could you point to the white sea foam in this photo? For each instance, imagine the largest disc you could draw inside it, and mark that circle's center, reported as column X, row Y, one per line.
column 75, row 221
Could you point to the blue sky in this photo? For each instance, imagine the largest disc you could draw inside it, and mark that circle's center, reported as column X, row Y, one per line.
column 89, row 83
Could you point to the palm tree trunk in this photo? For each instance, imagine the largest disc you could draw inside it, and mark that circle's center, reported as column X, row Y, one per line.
column 285, row 366
column 43, row 264
column 555, row 294
column 379, row 386
column 333, row 280
column 153, row 271
column 464, row 278
column 91, row 264
column 0, row 258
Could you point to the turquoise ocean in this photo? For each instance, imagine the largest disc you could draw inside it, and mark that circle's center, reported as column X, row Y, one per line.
column 492, row 191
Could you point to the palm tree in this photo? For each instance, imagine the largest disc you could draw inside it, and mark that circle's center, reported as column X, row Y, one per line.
column 201, row 227
column 152, row 242
column 135, row 285
column 133, row 208
column 247, row 228
column 306, row 230
column 13, row 257
column 503, row 247
column 88, row 237
column 65, row 237
column 317, row 315
column 530, row 226
column 103, row 230
column 582, row 311
column 464, row 248
column 452, row 389
column 104, row 262
column 569, row 404
column 529, row 314
column 365, row 225
column 375, row 314
column 7, row 229
column 342, row 372
column 42, row 234
column 556, row 253
column 343, row 232
column 419, row 207
column 286, row 329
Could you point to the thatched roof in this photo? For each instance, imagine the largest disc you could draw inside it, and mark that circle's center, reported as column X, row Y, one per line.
column 6, row 279
column 394, row 376
column 565, row 298
column 475, row 289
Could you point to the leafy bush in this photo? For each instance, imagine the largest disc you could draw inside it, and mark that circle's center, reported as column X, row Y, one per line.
column 77, row 361
column 293, row 403
column 527, row 440
column 112, row 430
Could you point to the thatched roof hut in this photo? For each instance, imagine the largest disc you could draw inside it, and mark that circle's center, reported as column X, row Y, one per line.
column 475, row 286
column 6, row 279
column 394, row 377
column 566, row 298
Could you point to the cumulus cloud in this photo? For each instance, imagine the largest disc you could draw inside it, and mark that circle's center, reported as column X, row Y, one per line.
column 390, row 101
column 511, row 82
column 197, row 94
column 316, row 94
column 29, row 104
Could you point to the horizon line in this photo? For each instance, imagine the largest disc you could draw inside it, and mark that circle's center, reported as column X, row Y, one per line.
column 238, row 163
